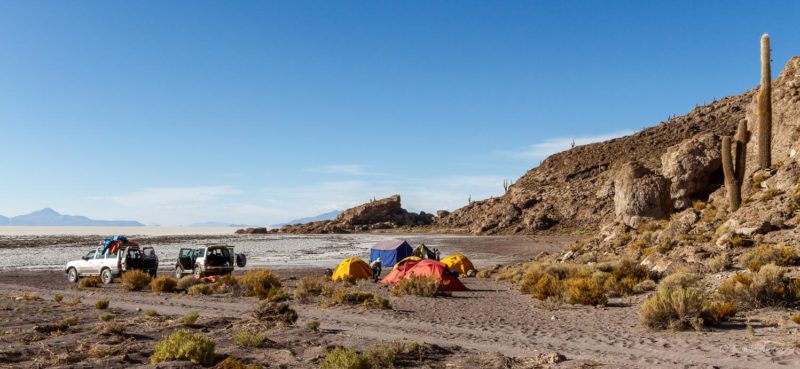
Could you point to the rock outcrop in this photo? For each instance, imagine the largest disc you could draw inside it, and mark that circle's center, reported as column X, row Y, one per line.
column 375, row 215
column 640, row 195
column 690, row 166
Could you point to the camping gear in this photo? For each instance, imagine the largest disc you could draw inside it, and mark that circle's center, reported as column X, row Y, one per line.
column 113, row 244
column 410, row 258
column 390, row 252
column 425, row 268
column 423, row 252
column 458, row 263
column 351, row 268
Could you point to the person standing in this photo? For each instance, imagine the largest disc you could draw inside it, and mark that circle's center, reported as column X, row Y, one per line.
column 376, row 270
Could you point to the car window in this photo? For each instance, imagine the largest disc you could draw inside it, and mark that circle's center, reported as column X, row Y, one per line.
column 134, row 254
column 109, row 255
column 201, row 253
column 148, row 251
column 90, row 255
column 187, row 253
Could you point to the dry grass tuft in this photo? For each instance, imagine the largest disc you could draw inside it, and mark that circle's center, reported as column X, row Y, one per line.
column 585, row 291
column 765, row 288
column 309, row 286
column 199, row 289
column 343, row 358
column 677, row 309
column 346, row 296
column 89, row 282
column 424, row 286
column 228, row 284
column 272, row 312
column 249, row 338
column 182, row 345
column 258, row 282
column 187, row 281
column 106, row 317
column 135, row 280
column 101, row 304
column 164, row 283
column 189, row 318
column 719, row 312
column 764, row 254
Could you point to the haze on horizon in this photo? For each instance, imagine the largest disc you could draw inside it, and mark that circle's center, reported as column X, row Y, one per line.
column 181, row 112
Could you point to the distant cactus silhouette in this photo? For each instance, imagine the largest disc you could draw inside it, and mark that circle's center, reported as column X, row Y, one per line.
column 765, row 107
column 734, row 175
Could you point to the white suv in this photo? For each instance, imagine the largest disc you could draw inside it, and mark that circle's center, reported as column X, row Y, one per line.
column 108, row 265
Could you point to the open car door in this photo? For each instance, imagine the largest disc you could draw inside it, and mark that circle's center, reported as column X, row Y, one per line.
column 185, row 262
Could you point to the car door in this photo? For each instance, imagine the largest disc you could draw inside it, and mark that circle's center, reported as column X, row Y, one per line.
column 84, row 265
column 186, row 259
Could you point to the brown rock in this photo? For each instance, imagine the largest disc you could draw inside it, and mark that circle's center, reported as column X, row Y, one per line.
column 640, row 195
column 689, row 167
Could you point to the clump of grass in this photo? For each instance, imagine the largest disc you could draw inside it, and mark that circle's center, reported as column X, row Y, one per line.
column 698, row 205
column 231, row 362
column 585, row 291
column 384, row 356
column 58, row 298
column 424, row 286
column 680, row 279
column 709, row 214
column 644, row 286
column 765, row 288
column 277, row 294
column 248, row 338
column 678, row 309
column 346, row 296
column 135, row 280
column 275, row 313
column 796, row 318
column 769, row 194
column 89, row 282
column 343, row 358
column 182, row 345
column 307, row 287
column 67, row 322
column 101, row 304
column 164, row 283
column 258, row 283
column 718, row 312
column 106, row 317
column 737, row 241
column 227, row 284
column 199, row 289
column 189, row 318
column 719, row 263
column 187, row 281
column 313, row 325
column 763, row 254
column 150, row 313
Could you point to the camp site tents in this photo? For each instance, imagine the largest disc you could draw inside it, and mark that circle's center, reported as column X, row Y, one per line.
column 425, row 268
column 459, row 263
column 390, row 252
column 410, row 258
column 423, row 252
column 351, row 268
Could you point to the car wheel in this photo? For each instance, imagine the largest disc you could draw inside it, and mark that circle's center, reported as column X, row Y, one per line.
column 106, row 276
column 178, row 272
column 197, row 272
column 72, row 275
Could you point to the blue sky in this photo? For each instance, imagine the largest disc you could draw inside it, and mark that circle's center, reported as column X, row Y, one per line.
column 174, row 112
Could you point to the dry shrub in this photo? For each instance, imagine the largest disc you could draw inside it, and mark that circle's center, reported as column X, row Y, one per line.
column 484, row 274
column 719, row 312
column 626, row 275
column 312, row 325
column 186, row 282
column 343, row 358
column 58, row 298
column 272, row 312
column 258, row 282
column 164, row 283
column 646, row 285
column 765, row 288
column 585, row 291
column 424, row 286
column 764, row 254
column 277, row 294
column 101, row 304
column 346, row 296
column 135, row 280
column 678, row 308
column 199, row 289
column 680, row 279
column 249, row 338
column 719, row 263
column 150, row 313
column 106, row 317
column 796, row 318
column 89, row 282
column 698, row 205
column 709, row 214
column 231, row 362
column 67, row 322
column 227, row 284
column 308, row 286
column 28, row 296
column 384, row 356
column 189, row 318
column 182, row 345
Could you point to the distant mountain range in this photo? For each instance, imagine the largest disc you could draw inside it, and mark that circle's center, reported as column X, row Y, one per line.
column 50, row 217
column 327, row 216
column 218, row 224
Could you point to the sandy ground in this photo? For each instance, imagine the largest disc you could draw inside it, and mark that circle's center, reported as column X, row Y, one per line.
column 486, row 327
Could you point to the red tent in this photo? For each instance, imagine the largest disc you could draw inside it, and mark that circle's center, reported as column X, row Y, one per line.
column 423, row 268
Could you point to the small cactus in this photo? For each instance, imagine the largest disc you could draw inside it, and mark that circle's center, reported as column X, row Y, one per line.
column 733, row 166
column 765, row 108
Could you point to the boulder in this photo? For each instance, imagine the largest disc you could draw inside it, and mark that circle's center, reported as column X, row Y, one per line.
column 689, row 167
column 257, row 230
column 640, row 195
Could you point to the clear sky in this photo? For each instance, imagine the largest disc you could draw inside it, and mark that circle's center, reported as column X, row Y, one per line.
column 174, row 112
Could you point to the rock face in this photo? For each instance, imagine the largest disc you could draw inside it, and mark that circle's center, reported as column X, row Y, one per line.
column 257, row 230
column 689, row 166
column 640, row 195
column 375, row 215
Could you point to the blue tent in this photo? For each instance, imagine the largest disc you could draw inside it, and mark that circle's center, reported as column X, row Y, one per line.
column 390, row 252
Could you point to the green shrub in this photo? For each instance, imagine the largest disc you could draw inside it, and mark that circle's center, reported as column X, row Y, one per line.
column 273, row 312
column 58, row 298
column 342, row 358
column 764, row 254
column 164, row 283
column 258, row 283
column 106, row 317
column 585, row 291
column 248, row 338
column 312, row 325
column 187, row 281
column 182, row 345
column 199, row 289
column 89, row 282
column 277, row 294
column 135, row 280
column 424, row 286
column 189, row 318
column 677, row 308
column 101, row 304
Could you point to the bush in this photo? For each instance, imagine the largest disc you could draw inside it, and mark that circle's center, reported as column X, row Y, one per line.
column 764, row 254
column 150, row 312
column 677, row 308
column 106, row 317
column 717, row 312
column 58, row 298
column 199, row 289
column 681, row 279
column 231, row 362
column 227, row 284
column 384, row 356
column 65, row 323
column 258, row 283
column 312, row 325
column 719, row 263
column 89, row 282
column 189, row 318
column 182, row 345
column 272, row 312
column 135, row 280
column 164, row 283
column 277, row 294
column 765, row 288
column 346, row 296
column 307, row 287
column 101, row 304
column 644, row 286
column 342, row 358
column 247, row 338
column 585, row 291
column 796, row 318
column 424, row 286
column 187, row 281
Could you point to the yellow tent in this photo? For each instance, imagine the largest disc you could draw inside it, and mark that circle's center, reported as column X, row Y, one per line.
column 459, row 263
column 409, row 258
column 351, row 268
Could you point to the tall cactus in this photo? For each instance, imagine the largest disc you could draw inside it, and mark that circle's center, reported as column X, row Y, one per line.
column 733, row 166
column 765, row 108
